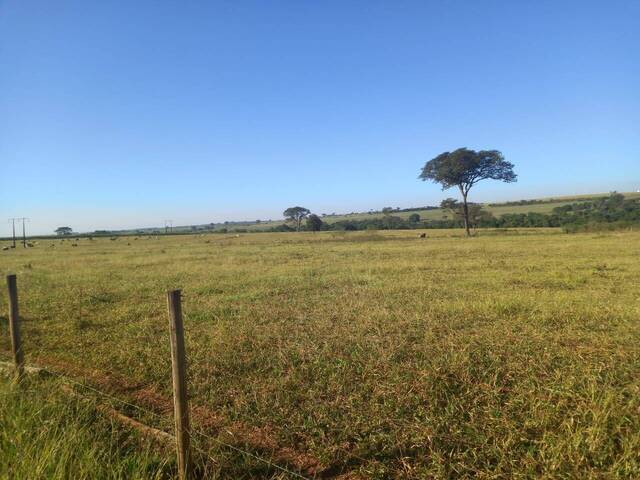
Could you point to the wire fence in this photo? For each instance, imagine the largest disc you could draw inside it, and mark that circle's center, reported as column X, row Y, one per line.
column 21, row 367
column 105, row 395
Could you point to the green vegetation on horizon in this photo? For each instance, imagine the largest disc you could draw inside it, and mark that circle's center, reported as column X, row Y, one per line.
column 542, row 205
column 497, row 209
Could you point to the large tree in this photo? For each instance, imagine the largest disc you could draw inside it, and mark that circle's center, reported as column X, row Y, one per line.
column 463, row 168
column 296, row 214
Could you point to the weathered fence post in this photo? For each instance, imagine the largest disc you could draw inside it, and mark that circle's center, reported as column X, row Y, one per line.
column 179, row 368
column 14, row 325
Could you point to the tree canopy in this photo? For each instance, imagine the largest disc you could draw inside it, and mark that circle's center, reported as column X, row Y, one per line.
column 296, row 214
column 63, row 231
column 463, row 168
column 387, row 210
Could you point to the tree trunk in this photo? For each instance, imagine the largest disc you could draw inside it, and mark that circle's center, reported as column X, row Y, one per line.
column 298, row 226
column 465, row 208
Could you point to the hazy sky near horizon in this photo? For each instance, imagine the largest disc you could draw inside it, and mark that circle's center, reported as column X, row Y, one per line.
column 123, row 114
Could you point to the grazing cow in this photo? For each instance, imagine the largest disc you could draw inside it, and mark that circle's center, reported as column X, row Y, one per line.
column 5, row 248
column 423, row 235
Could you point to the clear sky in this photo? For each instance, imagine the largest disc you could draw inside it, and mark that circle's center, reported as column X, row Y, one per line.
column 119, row 114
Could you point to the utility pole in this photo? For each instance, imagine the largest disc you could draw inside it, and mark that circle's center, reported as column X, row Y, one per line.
column 24, row 235
column 13, row 226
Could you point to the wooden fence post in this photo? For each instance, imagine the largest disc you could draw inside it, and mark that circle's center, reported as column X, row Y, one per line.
column 179, row 368
column 14, row 325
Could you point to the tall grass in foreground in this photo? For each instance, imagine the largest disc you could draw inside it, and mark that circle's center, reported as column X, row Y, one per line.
column 45, row 434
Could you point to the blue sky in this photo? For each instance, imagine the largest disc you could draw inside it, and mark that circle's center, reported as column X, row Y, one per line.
column 121, row 114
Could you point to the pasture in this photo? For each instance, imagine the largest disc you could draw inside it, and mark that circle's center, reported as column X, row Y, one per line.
column 360, row 354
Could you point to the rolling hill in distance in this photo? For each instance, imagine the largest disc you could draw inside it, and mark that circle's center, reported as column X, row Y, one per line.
column 537, row 205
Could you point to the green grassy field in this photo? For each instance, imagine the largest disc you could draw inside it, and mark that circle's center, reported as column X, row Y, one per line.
column 360, row 354
column 47, row 436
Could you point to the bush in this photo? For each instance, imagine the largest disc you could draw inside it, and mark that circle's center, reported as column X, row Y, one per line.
column 283, row 227
column 314, row 223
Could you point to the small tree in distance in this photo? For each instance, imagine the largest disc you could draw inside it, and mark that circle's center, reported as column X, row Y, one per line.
column 475, row 210
column 314, row 223
column 63, row 231
column 296, row 214
column 463, row 168
column 453, row 206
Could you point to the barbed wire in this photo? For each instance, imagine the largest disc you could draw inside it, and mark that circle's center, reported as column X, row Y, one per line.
column 193, row 431
column 100, row 392
column 6, row 394
column 264, row 460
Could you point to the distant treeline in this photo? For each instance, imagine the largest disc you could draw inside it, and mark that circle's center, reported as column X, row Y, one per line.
column 588, row 214
column 517, row 203
column 609, row 212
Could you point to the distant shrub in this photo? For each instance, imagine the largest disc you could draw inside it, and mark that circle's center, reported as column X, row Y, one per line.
column 282, row 228
column 314, row 223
